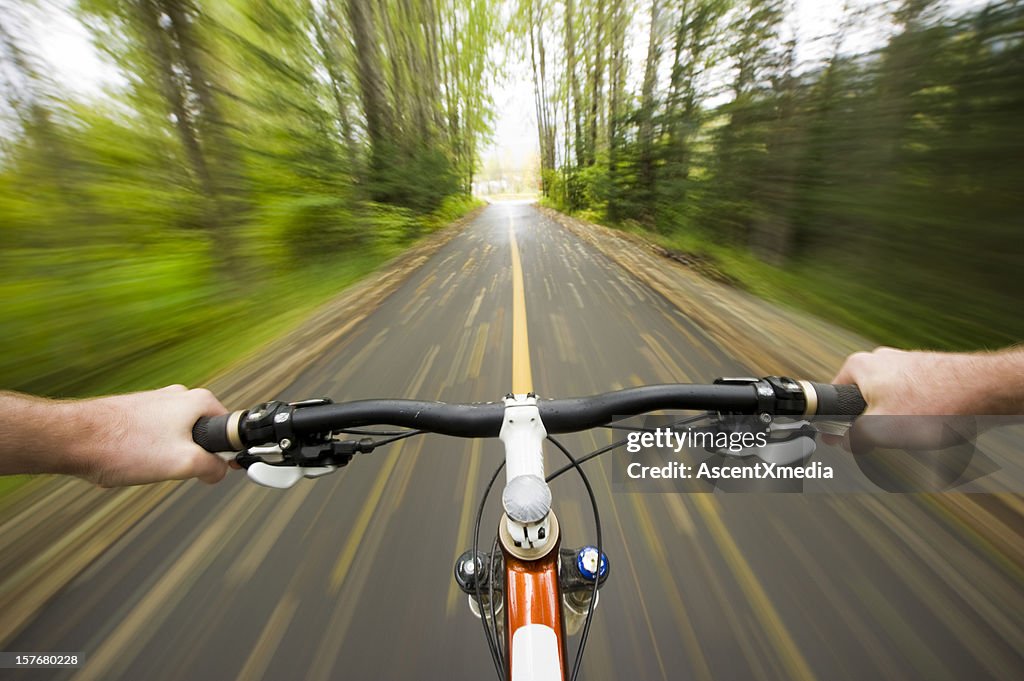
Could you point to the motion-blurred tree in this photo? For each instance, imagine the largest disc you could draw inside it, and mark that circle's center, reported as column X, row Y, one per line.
column 888, row 172
column 242, row 142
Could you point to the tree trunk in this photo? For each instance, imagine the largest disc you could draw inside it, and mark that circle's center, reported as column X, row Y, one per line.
column 326, row 30
column 158, row 42
column 616, row 84
column 540, row 99
column 595, row 90
column 573, row 100
column 372, row 89
column 209, row 121
column 645, row 172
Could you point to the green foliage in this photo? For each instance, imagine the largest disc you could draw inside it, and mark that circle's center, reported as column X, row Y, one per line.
column 452, row 208
column 290, row 229
column 398, row 178
column 591, row 185
column 576, row 189
column 226, row 185
column 71, row 314
column 392, row 225
column 881, row 190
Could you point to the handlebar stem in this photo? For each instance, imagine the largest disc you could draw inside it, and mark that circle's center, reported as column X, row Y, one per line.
column 526, row 498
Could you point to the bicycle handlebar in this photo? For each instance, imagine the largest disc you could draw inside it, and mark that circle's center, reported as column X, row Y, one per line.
column 839, row 400
column 211, row 433
column 772, row 395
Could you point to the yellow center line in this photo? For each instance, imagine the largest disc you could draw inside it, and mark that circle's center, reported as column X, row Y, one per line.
column 522, row 376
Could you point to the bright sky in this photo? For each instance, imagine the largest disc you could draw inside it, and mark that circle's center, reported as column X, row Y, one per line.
column 65, row 45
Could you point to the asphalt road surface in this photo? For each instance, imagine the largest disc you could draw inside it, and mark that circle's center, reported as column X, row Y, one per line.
column 349, row 577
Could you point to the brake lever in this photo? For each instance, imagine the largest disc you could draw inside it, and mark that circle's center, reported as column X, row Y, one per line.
column 283, row 477
column 272, row 466
column 788, row 442
column 831, row 427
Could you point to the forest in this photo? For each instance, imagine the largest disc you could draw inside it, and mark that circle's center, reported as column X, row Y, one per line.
column 253, row 157
column 248, row 158
column 878, row 186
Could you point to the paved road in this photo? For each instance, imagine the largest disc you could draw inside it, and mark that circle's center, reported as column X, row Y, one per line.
column 349, row 577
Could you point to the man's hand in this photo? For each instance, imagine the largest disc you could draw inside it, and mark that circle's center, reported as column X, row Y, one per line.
column 926, row 400
column 897, row 382
column 121, row 440
column 147, row 437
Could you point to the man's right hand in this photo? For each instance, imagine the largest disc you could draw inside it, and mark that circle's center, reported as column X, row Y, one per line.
column 898, row 382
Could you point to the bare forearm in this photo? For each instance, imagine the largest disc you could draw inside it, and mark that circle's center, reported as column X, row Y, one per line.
column 38, row 435
column 1009, row 367
column 119, row 440
column 938, row 383
column 1002, row 391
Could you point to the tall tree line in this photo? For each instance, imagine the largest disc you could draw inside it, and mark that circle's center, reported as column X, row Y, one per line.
column 236, row 141
column 355, row 99
column 890, row 169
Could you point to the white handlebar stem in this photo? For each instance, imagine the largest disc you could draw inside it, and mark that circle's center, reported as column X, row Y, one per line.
column 526, row 498
column 523, row 434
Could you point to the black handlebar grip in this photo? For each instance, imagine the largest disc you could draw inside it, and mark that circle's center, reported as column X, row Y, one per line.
column 211, row 433
column 839, row 400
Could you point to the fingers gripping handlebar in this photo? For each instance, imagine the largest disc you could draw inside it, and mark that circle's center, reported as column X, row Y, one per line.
column 286, row 424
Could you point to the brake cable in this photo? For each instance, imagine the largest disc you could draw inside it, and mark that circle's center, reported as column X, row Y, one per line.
column 492, row 642
column 615, row 445
column 382, row 433
column 600, row 556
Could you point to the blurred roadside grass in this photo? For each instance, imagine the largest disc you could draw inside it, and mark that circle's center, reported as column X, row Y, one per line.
column 92, row 320
column 890, row 312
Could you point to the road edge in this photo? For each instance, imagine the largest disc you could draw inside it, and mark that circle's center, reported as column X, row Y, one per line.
column 87, row 520
column 759, row 333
